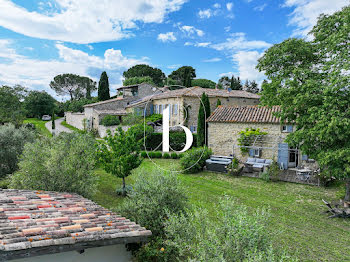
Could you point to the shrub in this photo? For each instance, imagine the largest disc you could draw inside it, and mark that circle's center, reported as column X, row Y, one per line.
column 181, row 155
column 236, row 235
column 143, row 154
column 12, row 141
column 158, row 155
column 121, row 191
column 110, row 120
column 273, row 171
column 64, row 163
column 177, row 141
column 265, row 176
column 193, row 160
column 166, row 155
column 174, row 155
column 4, row 183
column 247, row 137
column 235, row 168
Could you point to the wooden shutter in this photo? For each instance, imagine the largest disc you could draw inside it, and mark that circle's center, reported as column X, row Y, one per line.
column 289, row 129
column 283, row 155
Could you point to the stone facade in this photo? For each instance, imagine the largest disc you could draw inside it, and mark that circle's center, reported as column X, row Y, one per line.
column 102, row 130
column 75, row 119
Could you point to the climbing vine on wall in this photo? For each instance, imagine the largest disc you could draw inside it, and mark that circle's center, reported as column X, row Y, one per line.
column 247, row 137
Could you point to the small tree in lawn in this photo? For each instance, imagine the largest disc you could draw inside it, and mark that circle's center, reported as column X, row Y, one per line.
column 120, row 154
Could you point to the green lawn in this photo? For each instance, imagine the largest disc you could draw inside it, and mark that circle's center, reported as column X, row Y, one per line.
column 39, row 125
column 297, row 222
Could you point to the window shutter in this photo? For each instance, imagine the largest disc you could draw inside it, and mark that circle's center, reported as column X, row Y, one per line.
column 251, row 152
column 304, row 157
column 283, row 155
column 289, row 129
column 151, row 109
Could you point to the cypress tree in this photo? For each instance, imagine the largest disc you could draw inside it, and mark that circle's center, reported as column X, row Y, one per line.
column 53, row 120
column 103, row 87
column 204, row 112
column 218, row 103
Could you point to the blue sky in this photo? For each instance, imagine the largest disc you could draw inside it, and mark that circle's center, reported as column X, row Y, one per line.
column 40, row 39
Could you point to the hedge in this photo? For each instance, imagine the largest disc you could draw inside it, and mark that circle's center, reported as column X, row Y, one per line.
column 177, row 141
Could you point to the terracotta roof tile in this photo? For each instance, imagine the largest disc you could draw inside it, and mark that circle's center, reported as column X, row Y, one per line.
column 31, row 219
column 245, row 114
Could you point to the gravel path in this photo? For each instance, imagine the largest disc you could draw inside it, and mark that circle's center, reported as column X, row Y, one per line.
column 58, row 126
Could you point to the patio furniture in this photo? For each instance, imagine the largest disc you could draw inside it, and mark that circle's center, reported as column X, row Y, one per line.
column 257, row 164
column 303, row 174
column 218, row 163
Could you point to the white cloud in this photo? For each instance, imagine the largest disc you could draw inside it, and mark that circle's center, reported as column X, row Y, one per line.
column 204, row 44
column 167, row 37
column 207, row 13
column 216, row 5
column 212, row 60
column 188, row 44
column 238, row 41
column 90, row 47
column 227, row 28
column 191, row 30
column 229, row 6
column 260, row 8
column 246, row 62
column 37, row 74
column 174, row 66
column 306, row 12
column 85, row 21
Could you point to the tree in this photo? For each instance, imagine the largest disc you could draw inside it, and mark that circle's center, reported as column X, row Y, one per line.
column 12, row 141
column 204, row 83
column 38, row 103
column 64, row 163
column 73, row 85
column 53, row 120
column 224, row 82
column 183, row 75
column 309, row 80
column 143, row 70
column 11, row 108
column 120, row 154
column 218, row 103
column 235, row 83
column 138, row 80
column 103, row 87
column 203, row 114
column 253, row 87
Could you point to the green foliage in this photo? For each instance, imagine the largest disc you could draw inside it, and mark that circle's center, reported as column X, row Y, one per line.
column 235, row 168
column 4, row 183
column 273, row 171
column 153, row 118
column 143, row 154
column 110, row 120
column 73, row 85
column 103, row 87
column 193, row 160
column 158, row 154
column 138, row 80
column 235, row 83
column 64, row 163
column 53, row 125
column 11, row 108
column 251, row 87
column 309, row 81
column 236, row 235
column 177, row 141
column 203, row 114
column 132, row 119
column 218, row 103
column 265, row 176
column 38, row 103
column 12, row 141
column 183, row 75
column 77, row 105
column 39, row 126
column 166, row 155
column 174, row 155
column 247, row 137
column 143, row 70
column 155, row 197
column 119, row 154
column 204, row 83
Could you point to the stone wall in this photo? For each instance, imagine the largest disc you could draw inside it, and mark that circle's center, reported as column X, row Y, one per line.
column 75, row 119
column 222, row 138
column 102, row 130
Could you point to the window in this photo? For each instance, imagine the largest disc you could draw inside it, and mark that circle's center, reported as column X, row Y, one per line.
column 160, row 109
column 193, row 129
column 156, row 109
column 257, row 152
column 175, row 109
column 287, row 129
column 284, row 129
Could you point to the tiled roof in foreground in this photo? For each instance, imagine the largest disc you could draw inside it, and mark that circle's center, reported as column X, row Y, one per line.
column 34, row 220
column 245, row 114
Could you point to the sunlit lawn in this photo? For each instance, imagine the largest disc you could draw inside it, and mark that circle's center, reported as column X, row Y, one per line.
column 39, row 125
column 297, row 222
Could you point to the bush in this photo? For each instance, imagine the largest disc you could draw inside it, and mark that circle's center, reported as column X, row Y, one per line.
column 4, row 183
column 155, row 196
column 181, row 155
column 12, row 141
column 158, row 155
column 121, row 192
column 166, row 155
column 177, row 141
column 236, row 235
column 143, row 154
column 174, row 155
column 235, row 168
column 64, row 163
column 110, row 120
column 193, row 160
column 265, row 176
column 273, row 171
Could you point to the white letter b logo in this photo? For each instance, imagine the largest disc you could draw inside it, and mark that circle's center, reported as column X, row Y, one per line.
column 189, row 137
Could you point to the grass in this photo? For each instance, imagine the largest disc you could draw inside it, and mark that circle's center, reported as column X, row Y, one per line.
column 297, row 222
column 39, row 125
column 64, row 123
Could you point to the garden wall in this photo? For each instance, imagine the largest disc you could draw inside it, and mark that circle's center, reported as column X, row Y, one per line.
column 75, row 119
column 102, row 130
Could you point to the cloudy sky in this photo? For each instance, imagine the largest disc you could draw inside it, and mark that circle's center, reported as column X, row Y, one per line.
column 40, row 39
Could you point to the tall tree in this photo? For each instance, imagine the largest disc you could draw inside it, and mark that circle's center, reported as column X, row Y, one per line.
column 103, row 87
column 224, row 82
column 75, row 86
column 11, row 107
column 143, row 70
column 138, row 80
column 218, row 103
column 203, row 114
column 310, row 81
column 183, row 75
column 204, row 83
column 38, row 103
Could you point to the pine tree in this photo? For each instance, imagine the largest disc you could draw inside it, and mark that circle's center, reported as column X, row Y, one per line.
column 203, row 114
column 53, row 120
column 103, row 87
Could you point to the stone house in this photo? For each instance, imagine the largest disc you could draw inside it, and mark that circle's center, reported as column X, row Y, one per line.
column 93, row 113
column 63, row 227
column 226, row 123
column 184, row 103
